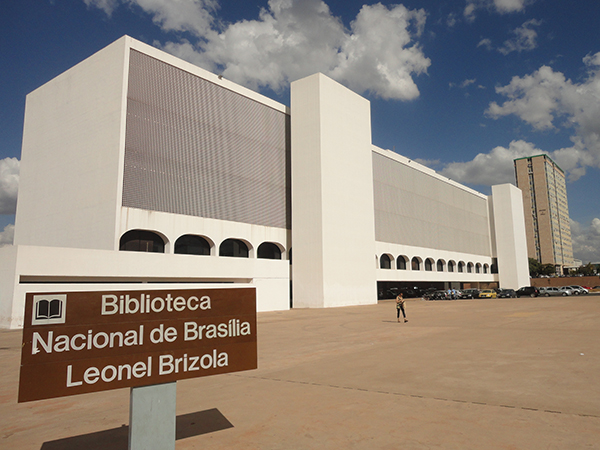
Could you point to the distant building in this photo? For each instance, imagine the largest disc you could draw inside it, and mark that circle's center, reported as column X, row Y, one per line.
column 546, row 210
column 142, row 171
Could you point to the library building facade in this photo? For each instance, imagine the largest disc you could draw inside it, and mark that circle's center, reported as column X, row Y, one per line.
column 142, row 171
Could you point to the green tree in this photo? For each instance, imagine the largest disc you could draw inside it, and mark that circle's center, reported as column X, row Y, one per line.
column 534, row 267
column 587, row 270
column 547, row 269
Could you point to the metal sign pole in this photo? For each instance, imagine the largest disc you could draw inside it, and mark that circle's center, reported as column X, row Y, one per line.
column 152, row 415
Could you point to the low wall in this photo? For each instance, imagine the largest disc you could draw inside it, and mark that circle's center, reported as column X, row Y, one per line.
column 566, row 281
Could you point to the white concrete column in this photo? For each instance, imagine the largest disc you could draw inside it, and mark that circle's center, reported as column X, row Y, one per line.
column 510, row 237
column 333, row 230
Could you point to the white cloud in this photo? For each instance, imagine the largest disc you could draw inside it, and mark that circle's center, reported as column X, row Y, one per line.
column 524, row 38
column 431, row 163
column 108, row 6
column 7, row 235
column 487, row 43
column 509, row 6
column 465, row 84
column 379, row 54
column 295, row 38
column 195, row 16
column 498, row 6
column 9, row 185
column 534, row 98
column 451, row 20
column 547, row 100
column 586, row 241
column 495, row 167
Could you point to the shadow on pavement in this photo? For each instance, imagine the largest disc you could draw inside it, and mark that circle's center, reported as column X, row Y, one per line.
column 187, row 425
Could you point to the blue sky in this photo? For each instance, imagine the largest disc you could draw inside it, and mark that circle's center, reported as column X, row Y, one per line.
column 464, row 86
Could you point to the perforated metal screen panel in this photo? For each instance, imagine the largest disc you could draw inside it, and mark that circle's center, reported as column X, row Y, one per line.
column 195, row 148
column 413, row 208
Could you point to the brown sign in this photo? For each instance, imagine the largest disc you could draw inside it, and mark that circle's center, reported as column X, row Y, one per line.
column 79, row 342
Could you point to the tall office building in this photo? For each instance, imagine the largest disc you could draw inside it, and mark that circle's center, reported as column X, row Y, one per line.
column 546, row 210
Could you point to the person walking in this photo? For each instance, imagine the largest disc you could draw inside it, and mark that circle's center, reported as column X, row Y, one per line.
column 400, row 307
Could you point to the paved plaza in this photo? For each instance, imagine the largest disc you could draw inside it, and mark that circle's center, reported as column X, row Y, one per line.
column 467, row 374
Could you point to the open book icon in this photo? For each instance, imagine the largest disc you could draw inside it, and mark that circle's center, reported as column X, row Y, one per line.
column 49, row 309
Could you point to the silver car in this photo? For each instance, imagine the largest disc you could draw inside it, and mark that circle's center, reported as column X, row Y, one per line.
column 566, row 290
column 578, row 290
column 548, row 291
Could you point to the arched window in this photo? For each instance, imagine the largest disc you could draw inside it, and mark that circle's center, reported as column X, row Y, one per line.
column 416, row 264
column 461, row 266
column 429, row 265
column 190, row 244
column 233, row 248
column 478, row 268
column 268, row 250
column 451, row 265
column 401, row 263
column 486, row 268
column 440, row 265
column 385, row 262
column 142, row 241
column 470, row 267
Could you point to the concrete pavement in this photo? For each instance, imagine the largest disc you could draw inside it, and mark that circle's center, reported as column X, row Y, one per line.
column 466, row 374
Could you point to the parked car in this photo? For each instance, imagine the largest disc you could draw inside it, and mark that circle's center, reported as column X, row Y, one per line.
column 549, row 291
column 579, row 290
column 410, row 292
column 507, row 293
column 438, row 295
column 528, row 291
column 469, row 293
column 565, row 290
column 426, row 292
column 595, row 289
column 406, row 292
column 488, row 293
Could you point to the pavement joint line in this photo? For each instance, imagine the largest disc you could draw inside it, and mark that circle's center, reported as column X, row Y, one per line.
column 416, row 396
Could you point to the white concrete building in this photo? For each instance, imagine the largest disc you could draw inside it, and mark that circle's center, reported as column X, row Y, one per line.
column 211, row 184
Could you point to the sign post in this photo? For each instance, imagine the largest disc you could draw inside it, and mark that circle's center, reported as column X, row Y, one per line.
column 152, row 417
column 80, row 342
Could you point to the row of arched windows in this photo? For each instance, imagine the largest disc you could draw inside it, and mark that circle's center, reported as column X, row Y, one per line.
column 191, row 244
column 416, row 263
